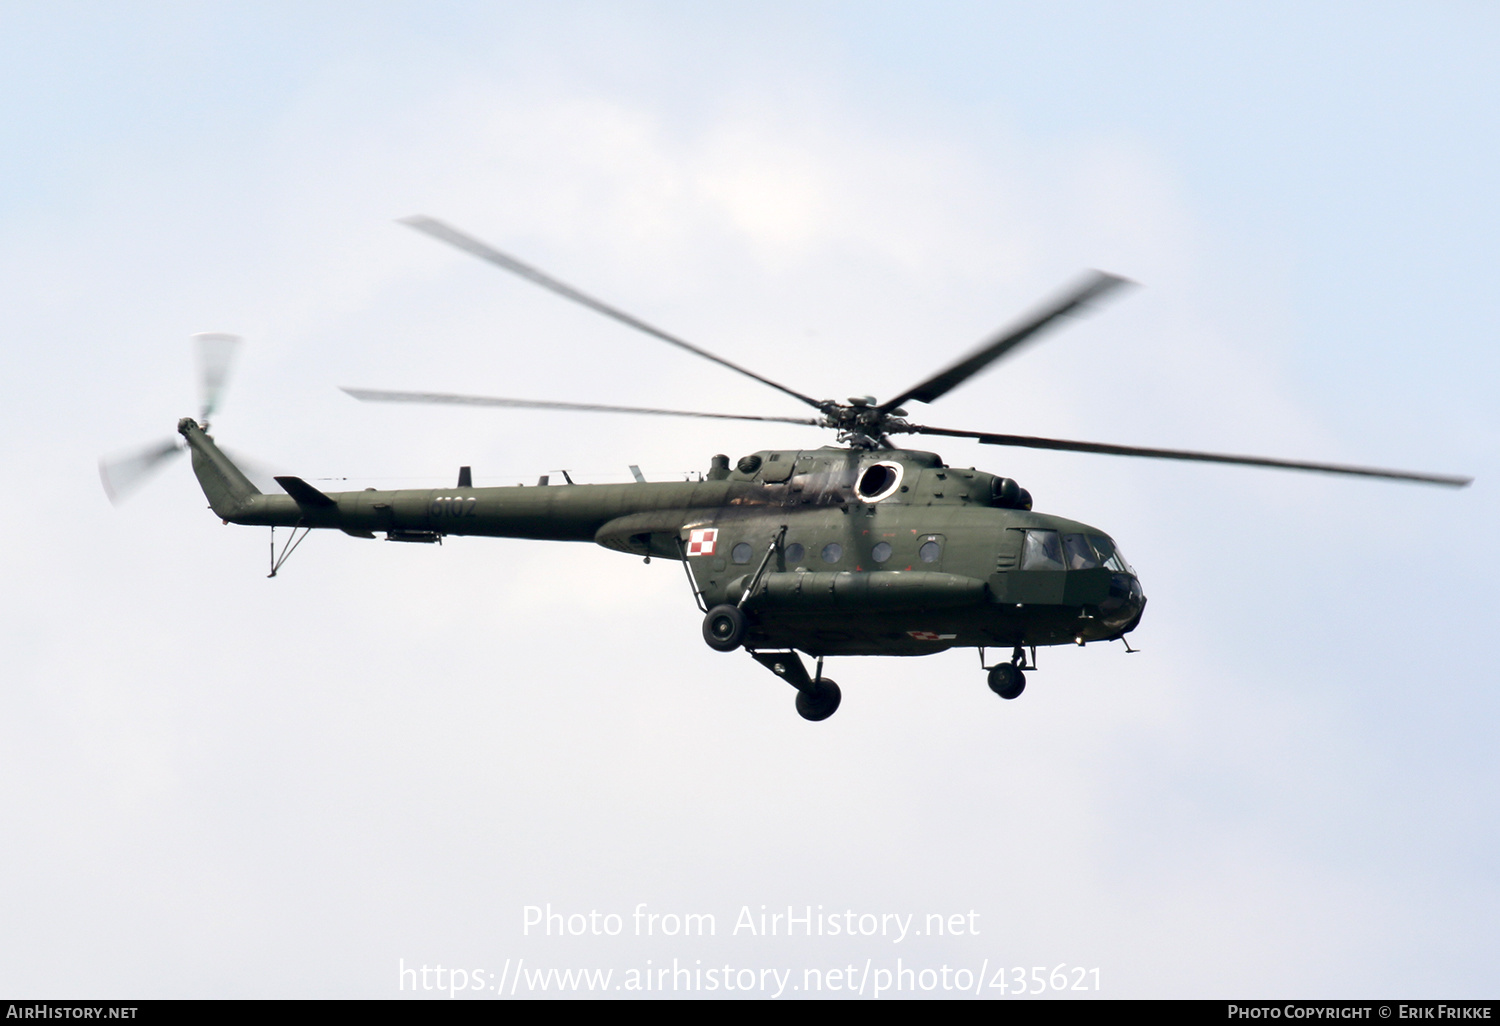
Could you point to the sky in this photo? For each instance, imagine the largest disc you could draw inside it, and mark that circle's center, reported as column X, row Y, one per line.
column 215, row 784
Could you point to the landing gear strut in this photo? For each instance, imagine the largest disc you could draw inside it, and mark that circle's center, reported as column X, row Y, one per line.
column 817, row 699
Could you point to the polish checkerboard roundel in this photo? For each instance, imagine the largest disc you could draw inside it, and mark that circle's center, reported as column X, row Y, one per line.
column 701, row 541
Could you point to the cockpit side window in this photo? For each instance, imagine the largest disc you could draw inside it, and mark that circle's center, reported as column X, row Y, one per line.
column 1079, row 553
column 1042, row 551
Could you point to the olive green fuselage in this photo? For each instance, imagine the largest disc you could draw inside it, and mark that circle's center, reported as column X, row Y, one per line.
column 843, row 557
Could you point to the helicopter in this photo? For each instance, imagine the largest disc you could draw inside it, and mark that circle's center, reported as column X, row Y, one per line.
column 859, row 548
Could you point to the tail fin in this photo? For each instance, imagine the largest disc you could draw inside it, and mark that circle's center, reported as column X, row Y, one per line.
column 228, row 489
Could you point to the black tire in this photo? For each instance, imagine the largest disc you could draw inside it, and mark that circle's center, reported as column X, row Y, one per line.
column 1007, row 681
column 724, row 628
column 821, row 702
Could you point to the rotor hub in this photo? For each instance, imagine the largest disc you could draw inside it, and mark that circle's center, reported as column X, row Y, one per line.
column 862, row 424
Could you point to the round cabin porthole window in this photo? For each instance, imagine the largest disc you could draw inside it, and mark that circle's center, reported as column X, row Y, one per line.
column 878, row 481
column 795, row 552
column 740, row 553
column 930, row 551
column 833, row 552
column 881, row 552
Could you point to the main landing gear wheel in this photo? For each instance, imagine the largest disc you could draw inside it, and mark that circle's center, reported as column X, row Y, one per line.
column 724, row 628
column 1007, row 680
column 820, row 701
column 816, row 699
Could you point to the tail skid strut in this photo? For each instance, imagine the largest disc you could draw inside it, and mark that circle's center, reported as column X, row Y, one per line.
column 286, row 550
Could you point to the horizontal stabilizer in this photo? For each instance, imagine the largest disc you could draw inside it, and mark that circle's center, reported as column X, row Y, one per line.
column 305, row 494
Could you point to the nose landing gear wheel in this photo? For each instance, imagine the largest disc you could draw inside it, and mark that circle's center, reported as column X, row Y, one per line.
column 724, row 628
column 1007, row 680
column 820, row 701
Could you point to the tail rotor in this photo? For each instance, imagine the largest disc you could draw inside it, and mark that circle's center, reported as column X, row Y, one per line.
column 121, row 475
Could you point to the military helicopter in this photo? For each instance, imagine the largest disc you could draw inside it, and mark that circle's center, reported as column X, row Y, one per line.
column 860, row 548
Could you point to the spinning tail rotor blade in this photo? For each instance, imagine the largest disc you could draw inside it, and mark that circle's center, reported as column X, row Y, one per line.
column 1029, row 442
column 215, row 355
column 1092, row 287
column 124, row 474
column 454, row 237
column 370, row 395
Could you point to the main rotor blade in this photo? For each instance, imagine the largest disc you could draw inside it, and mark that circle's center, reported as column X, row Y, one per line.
column 1028, row 442
column 454, row 237
column 1091, row 288
column 215, row 355
column 369, row 395
column 123, row 475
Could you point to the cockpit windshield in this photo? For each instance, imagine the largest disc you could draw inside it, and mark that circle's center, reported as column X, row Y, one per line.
column 1109, row 555
column 1049, row 550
